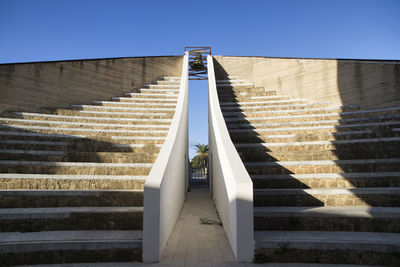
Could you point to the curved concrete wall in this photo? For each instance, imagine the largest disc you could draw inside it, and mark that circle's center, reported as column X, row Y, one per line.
column 166, row 186
column 231, row 184
column 30, row 86
column 369, row 83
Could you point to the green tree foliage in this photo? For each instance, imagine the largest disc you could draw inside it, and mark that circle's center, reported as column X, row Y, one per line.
column 200, row 161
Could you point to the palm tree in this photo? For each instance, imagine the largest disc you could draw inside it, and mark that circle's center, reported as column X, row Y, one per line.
column 200, row 161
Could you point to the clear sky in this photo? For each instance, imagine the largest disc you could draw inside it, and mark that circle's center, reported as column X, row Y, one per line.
column 35, row 30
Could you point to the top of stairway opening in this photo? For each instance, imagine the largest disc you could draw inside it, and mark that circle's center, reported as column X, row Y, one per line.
column 198, row 61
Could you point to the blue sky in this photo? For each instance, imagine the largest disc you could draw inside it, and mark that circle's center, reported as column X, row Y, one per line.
column 36, row 30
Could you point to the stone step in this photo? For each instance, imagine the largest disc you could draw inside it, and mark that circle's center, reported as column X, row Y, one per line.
column 70, row 198
column 68, row 127
column 251, row 91
column 82, row 168
column 158, row 95
column 327, row 180
column 109, row 124
column 235, row 85
column 321, row 150
column 290, row 112
column 87, row 119
column 239, row 96
column 169, row 82
column 304, row 130
column 76, row 156
column 140, row 114
column 137, row 100
column 333, row 247
column 263, row 102
column 18, row 135
column 260, row 155
column 353, row 219
column 162, row 86
column 227, row 77
column 276, row 107
column 106, row 137
column 375, row 197
column 340, row 116
column 170, row 78
column 258, row 97
column 69, row 247
column 94, row 143
column 323, row 166
column 116, row 114
column 255, row 137
column 85, row 146
column 155, row 91
column 130, row 105
column 26, row 181
column 231, row 81
column 104, row 108
column 71, row 218
column 266, row 124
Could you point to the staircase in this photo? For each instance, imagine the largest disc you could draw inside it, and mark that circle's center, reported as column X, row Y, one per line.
column 326, row 179
column 71, row 180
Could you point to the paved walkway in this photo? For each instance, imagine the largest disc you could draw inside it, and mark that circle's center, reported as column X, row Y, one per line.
column 193, row 243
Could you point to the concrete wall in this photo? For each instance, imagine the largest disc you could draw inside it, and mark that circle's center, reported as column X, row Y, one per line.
column 166, row 186
column 231, row 185
column 369, row 83
column 30, row 86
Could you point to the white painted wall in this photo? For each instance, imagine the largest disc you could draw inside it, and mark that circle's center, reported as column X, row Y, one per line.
column 166, row 186
column 231, row 184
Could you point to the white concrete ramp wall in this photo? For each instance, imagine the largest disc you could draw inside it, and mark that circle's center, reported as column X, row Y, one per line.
column 231, row 185
column 166, row 186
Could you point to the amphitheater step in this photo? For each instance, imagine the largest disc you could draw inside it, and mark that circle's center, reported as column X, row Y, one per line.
column 262, row 102
column 83, row 168
column 75, row 156
column 324, row 166
column 263, row 137
column 66, row 124
column 84, row 131
column 293, row 112
column 328, row 247
column 377, row 197
column 328, row 180
column 341, row 117
column 70, row 198
column 162, row 86
column 235, row 85
column 86, row 119
column 143, row 100
column 155, row 91
column 355, row 219
column 276, row 107
column 122, row 109
column 71, row 218
column 369, row 148
column 72, row 182
column 341, row 122
column 69, row 247
column 128, row 104
column 376, row 126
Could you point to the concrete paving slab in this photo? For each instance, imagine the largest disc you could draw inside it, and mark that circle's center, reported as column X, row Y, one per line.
column 193, row 243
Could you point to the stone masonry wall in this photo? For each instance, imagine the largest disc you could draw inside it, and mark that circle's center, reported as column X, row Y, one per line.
column 30, row 86
column 369, row 83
